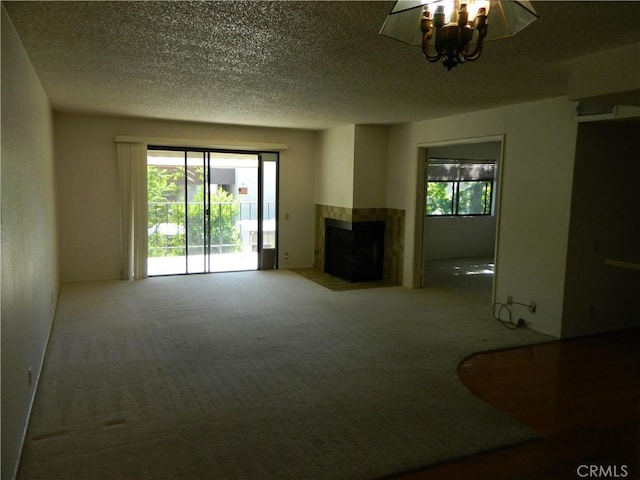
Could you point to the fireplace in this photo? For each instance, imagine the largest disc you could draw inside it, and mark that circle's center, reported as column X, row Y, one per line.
column 354, row 251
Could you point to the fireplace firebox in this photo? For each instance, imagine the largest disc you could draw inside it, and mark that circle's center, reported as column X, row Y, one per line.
column 354, row 251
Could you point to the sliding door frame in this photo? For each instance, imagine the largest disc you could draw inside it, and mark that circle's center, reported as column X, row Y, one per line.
column 206, row 159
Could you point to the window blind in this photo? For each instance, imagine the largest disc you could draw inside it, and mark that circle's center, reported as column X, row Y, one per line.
column 460, row 171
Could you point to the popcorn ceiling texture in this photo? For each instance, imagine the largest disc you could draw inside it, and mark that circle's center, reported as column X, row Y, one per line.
column 304, row 64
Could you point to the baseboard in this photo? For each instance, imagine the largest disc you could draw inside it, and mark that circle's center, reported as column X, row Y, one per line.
column 76, row 280
column 296, row 267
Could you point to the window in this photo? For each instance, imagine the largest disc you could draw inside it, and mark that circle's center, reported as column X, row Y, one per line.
column 459, row 187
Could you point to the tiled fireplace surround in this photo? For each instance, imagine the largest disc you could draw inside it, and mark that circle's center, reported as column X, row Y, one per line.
column 393, row 239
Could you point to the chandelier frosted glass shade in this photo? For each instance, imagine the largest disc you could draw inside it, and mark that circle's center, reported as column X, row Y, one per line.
column 449, row 29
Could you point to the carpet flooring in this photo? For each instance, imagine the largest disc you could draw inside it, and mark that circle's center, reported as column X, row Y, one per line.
column 260, row 375
column 335, row 283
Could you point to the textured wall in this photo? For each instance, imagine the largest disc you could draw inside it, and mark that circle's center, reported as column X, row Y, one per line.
column 29, row 259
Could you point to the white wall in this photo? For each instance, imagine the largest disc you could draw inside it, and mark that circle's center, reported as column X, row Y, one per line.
column 370, row 166
column 87, row 181
column 351, row 166
column 457, row 237
column 29, row 260
column 535, row 198
column 335, row 166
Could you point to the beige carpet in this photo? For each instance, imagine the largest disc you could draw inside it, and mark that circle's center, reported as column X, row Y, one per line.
column 260, row 375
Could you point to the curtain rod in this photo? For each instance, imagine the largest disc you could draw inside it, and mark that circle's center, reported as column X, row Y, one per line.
column 200, row 143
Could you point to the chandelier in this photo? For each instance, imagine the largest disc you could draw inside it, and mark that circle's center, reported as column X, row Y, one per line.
column 454, row 31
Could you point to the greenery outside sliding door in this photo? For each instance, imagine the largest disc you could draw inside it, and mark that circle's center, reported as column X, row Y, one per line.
column 203, row 210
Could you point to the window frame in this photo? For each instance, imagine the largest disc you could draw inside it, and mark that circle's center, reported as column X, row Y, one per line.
column 458, row 164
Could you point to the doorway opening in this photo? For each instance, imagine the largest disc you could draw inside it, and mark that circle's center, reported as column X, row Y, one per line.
column 211, row 210
column 459, row 216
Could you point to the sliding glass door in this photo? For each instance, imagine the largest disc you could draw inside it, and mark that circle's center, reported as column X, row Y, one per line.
column 269, row 211
column 194, row 213
column 210, row 211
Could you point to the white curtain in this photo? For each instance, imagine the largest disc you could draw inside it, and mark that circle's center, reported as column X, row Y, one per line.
column 132, row 167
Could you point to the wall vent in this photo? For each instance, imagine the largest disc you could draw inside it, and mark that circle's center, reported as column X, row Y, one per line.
column 588, row 112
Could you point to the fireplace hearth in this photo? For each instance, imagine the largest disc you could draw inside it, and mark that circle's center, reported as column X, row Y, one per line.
column 354, row 251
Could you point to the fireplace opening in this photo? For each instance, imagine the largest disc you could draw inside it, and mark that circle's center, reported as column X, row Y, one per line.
column 354, row 251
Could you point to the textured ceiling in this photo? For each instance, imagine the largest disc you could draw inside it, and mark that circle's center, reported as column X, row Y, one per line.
column 302, row 64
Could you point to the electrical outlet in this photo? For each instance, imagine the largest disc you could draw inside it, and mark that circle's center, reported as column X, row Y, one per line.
column 286, row 255
column 532, row 307
column 509, row 299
